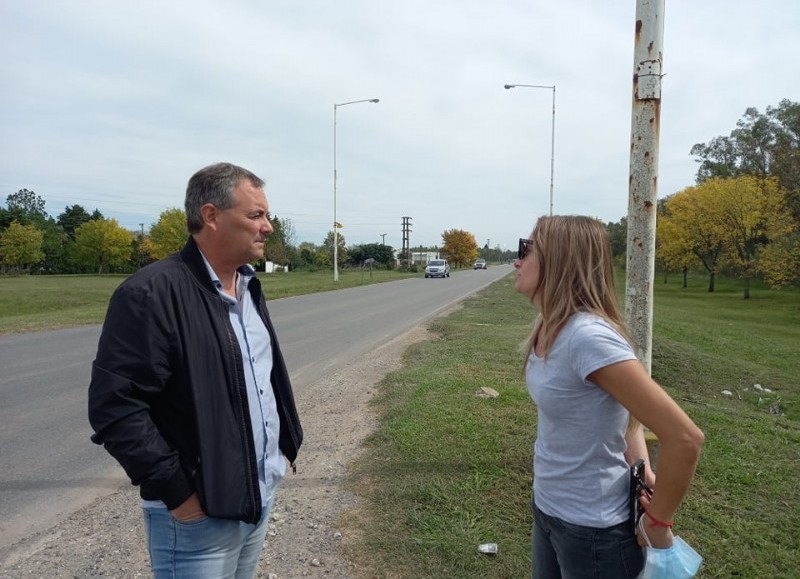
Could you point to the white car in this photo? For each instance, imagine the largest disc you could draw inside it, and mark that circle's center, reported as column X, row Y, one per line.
column 437, row 268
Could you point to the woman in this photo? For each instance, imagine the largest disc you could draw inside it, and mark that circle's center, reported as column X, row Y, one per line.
column 592, row 396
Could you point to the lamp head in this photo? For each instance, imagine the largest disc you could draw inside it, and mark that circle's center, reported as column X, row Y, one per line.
column 508, row 86
column 374, row 100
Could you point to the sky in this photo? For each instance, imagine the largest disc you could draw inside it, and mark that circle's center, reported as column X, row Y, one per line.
column 113, row 105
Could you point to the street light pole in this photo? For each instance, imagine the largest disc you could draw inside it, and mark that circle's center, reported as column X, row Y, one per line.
column 552, row 131
column 335, row 223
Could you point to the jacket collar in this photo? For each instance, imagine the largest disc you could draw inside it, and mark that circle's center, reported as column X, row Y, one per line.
column 191, row 256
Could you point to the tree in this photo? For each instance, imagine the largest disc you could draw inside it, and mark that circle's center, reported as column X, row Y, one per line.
column 786, row 154
column 341, row 250
column 307, row 252
column 618, row 235
column 56, row 248
column 323, row 257
column 460, row 247
column 779, row 261
column 24, row 207
column 383, row 254
column 141, row 252
column 169, row 234
column 745, row 152
column 690, row 227
column 73, row 217
column 287, row 227
column 278, row 247
column 28, row 202
column 752, row 212
column 764, row 145
column 673, row 250
column 20, row 247
column 727, row 221
column 103, row 245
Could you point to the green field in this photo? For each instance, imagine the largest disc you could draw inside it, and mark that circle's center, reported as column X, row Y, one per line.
column 447, row 471
column 45, row 302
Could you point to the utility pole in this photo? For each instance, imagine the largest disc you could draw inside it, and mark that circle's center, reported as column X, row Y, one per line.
column 643, row 191
column 404, row 256
column 383, row 239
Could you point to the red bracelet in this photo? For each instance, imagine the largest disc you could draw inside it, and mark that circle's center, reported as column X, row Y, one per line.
column 657, row 523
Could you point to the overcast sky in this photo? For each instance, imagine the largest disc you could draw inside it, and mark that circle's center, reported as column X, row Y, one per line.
column 114, row 105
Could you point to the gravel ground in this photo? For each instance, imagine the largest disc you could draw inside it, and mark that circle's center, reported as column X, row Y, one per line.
column 105, row 539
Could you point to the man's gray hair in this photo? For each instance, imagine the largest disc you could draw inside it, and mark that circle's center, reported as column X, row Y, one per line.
column 214, row 184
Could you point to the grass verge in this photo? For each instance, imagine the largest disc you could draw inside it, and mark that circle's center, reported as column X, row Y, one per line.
column 447, row 470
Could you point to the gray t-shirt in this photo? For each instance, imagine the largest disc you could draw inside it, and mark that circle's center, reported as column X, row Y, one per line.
column 580, row 473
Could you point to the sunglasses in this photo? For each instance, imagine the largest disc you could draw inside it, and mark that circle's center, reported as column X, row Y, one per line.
column 524, row 247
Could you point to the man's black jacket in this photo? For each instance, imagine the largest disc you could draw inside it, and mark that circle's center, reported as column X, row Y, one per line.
column 168, row 398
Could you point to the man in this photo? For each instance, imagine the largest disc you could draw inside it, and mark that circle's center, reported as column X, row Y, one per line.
column 189, row 390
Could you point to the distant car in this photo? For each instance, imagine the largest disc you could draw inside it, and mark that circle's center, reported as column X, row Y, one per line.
column 480, row 264
column 437, row 268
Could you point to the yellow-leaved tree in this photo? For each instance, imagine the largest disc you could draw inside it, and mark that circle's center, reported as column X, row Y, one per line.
column 730, row 221
column 169, row 234
column 103, row 245
column 688, row 231
column 673, row 249
column 779, row 261
column 753, row 211
column 459, row 246
column 20, row 247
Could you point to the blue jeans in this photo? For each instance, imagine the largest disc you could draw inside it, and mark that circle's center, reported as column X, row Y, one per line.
column 208, row 548
column 562, row 550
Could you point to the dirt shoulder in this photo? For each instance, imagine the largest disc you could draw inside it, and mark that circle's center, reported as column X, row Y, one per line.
column 106, row 538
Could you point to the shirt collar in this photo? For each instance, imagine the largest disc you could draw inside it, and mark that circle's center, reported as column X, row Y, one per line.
column 246, row 273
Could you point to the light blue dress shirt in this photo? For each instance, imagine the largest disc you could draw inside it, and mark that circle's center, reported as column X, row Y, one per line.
column 256, row 348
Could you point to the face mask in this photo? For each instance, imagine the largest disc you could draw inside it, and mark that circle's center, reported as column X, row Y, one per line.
column 679, row 561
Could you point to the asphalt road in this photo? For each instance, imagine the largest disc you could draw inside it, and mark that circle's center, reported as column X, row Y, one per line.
column 48, row 466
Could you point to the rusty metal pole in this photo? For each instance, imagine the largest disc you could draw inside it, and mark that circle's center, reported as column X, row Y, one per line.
column 643, row 181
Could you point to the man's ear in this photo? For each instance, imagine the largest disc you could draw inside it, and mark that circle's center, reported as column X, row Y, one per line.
column 209, row 213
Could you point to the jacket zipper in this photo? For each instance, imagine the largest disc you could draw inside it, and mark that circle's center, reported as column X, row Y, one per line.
column 271, row 331
column 232, row 344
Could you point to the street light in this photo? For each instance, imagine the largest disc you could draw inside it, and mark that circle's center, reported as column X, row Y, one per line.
column 335, row 223
column 552, row 130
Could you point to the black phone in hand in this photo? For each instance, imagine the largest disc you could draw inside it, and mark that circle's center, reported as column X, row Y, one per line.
column 637, row 485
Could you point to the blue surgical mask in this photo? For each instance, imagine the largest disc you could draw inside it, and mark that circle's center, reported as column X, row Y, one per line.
column 679, row 561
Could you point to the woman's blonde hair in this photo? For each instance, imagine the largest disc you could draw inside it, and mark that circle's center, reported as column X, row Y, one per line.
column 576, row 274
